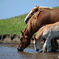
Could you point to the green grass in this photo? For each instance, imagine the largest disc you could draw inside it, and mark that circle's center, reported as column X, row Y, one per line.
column 56, row 7
column 13, row 25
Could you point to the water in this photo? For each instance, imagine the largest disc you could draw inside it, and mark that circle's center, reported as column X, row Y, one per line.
column 7, row 52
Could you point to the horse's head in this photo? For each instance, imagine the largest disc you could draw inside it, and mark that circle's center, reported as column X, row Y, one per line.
column 37, row 44
column 24, row 42
column 35, row 9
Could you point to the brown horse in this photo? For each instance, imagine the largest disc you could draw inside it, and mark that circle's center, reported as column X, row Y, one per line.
column 34, row 10
column 38, row 20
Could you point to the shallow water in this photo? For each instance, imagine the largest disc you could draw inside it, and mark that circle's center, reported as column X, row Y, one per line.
column 7, row 52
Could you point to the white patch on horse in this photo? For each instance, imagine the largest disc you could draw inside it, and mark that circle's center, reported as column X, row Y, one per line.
column 27, row 16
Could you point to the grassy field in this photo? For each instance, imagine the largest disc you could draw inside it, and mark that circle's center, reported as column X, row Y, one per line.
column 56, row 7
column 13, row 25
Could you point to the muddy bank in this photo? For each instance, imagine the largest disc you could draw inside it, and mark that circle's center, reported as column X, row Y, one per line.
column 10, row 39
column 7, row 38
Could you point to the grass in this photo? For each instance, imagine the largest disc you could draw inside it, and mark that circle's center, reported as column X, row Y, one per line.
column 56, row 7
column 13, row 25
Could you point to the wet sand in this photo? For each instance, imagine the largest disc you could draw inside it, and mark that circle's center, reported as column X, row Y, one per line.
column 10, row 52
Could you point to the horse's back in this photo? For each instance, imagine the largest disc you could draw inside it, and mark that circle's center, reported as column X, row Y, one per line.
column 49, row 16
column 52, row 30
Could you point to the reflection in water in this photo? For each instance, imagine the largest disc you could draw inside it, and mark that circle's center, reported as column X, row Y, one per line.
column 28, row 53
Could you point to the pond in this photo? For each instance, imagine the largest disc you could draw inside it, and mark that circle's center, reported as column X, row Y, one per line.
column 10, row 52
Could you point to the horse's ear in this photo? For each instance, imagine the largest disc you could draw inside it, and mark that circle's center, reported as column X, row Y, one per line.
column 36, row 5
column 21, row 32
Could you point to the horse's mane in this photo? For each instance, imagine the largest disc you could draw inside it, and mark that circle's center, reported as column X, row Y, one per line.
column 29, row 26
column 40, row 7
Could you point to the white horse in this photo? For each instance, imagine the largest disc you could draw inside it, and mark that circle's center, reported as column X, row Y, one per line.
column 47, row 32
column 34, row 10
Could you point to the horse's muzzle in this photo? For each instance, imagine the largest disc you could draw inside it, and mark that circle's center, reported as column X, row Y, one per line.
column 19, row 49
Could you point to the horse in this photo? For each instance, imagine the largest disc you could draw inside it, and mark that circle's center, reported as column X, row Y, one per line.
column 47, row 33
column 38, row 20
column 34, row 10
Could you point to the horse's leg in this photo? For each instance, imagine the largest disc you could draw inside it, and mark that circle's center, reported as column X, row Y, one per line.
column 43, row 41
column 54, row 45
column 47, row 44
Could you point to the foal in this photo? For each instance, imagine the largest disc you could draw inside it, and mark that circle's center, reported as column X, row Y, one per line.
column 47, row 32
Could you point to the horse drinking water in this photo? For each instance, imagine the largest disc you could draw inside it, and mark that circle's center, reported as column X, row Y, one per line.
column 38, row 20
column 48, row 33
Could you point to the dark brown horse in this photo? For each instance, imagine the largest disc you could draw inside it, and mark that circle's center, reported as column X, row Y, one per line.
column 38, row 20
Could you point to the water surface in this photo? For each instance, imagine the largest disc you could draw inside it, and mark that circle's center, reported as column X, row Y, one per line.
column 7, row 52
